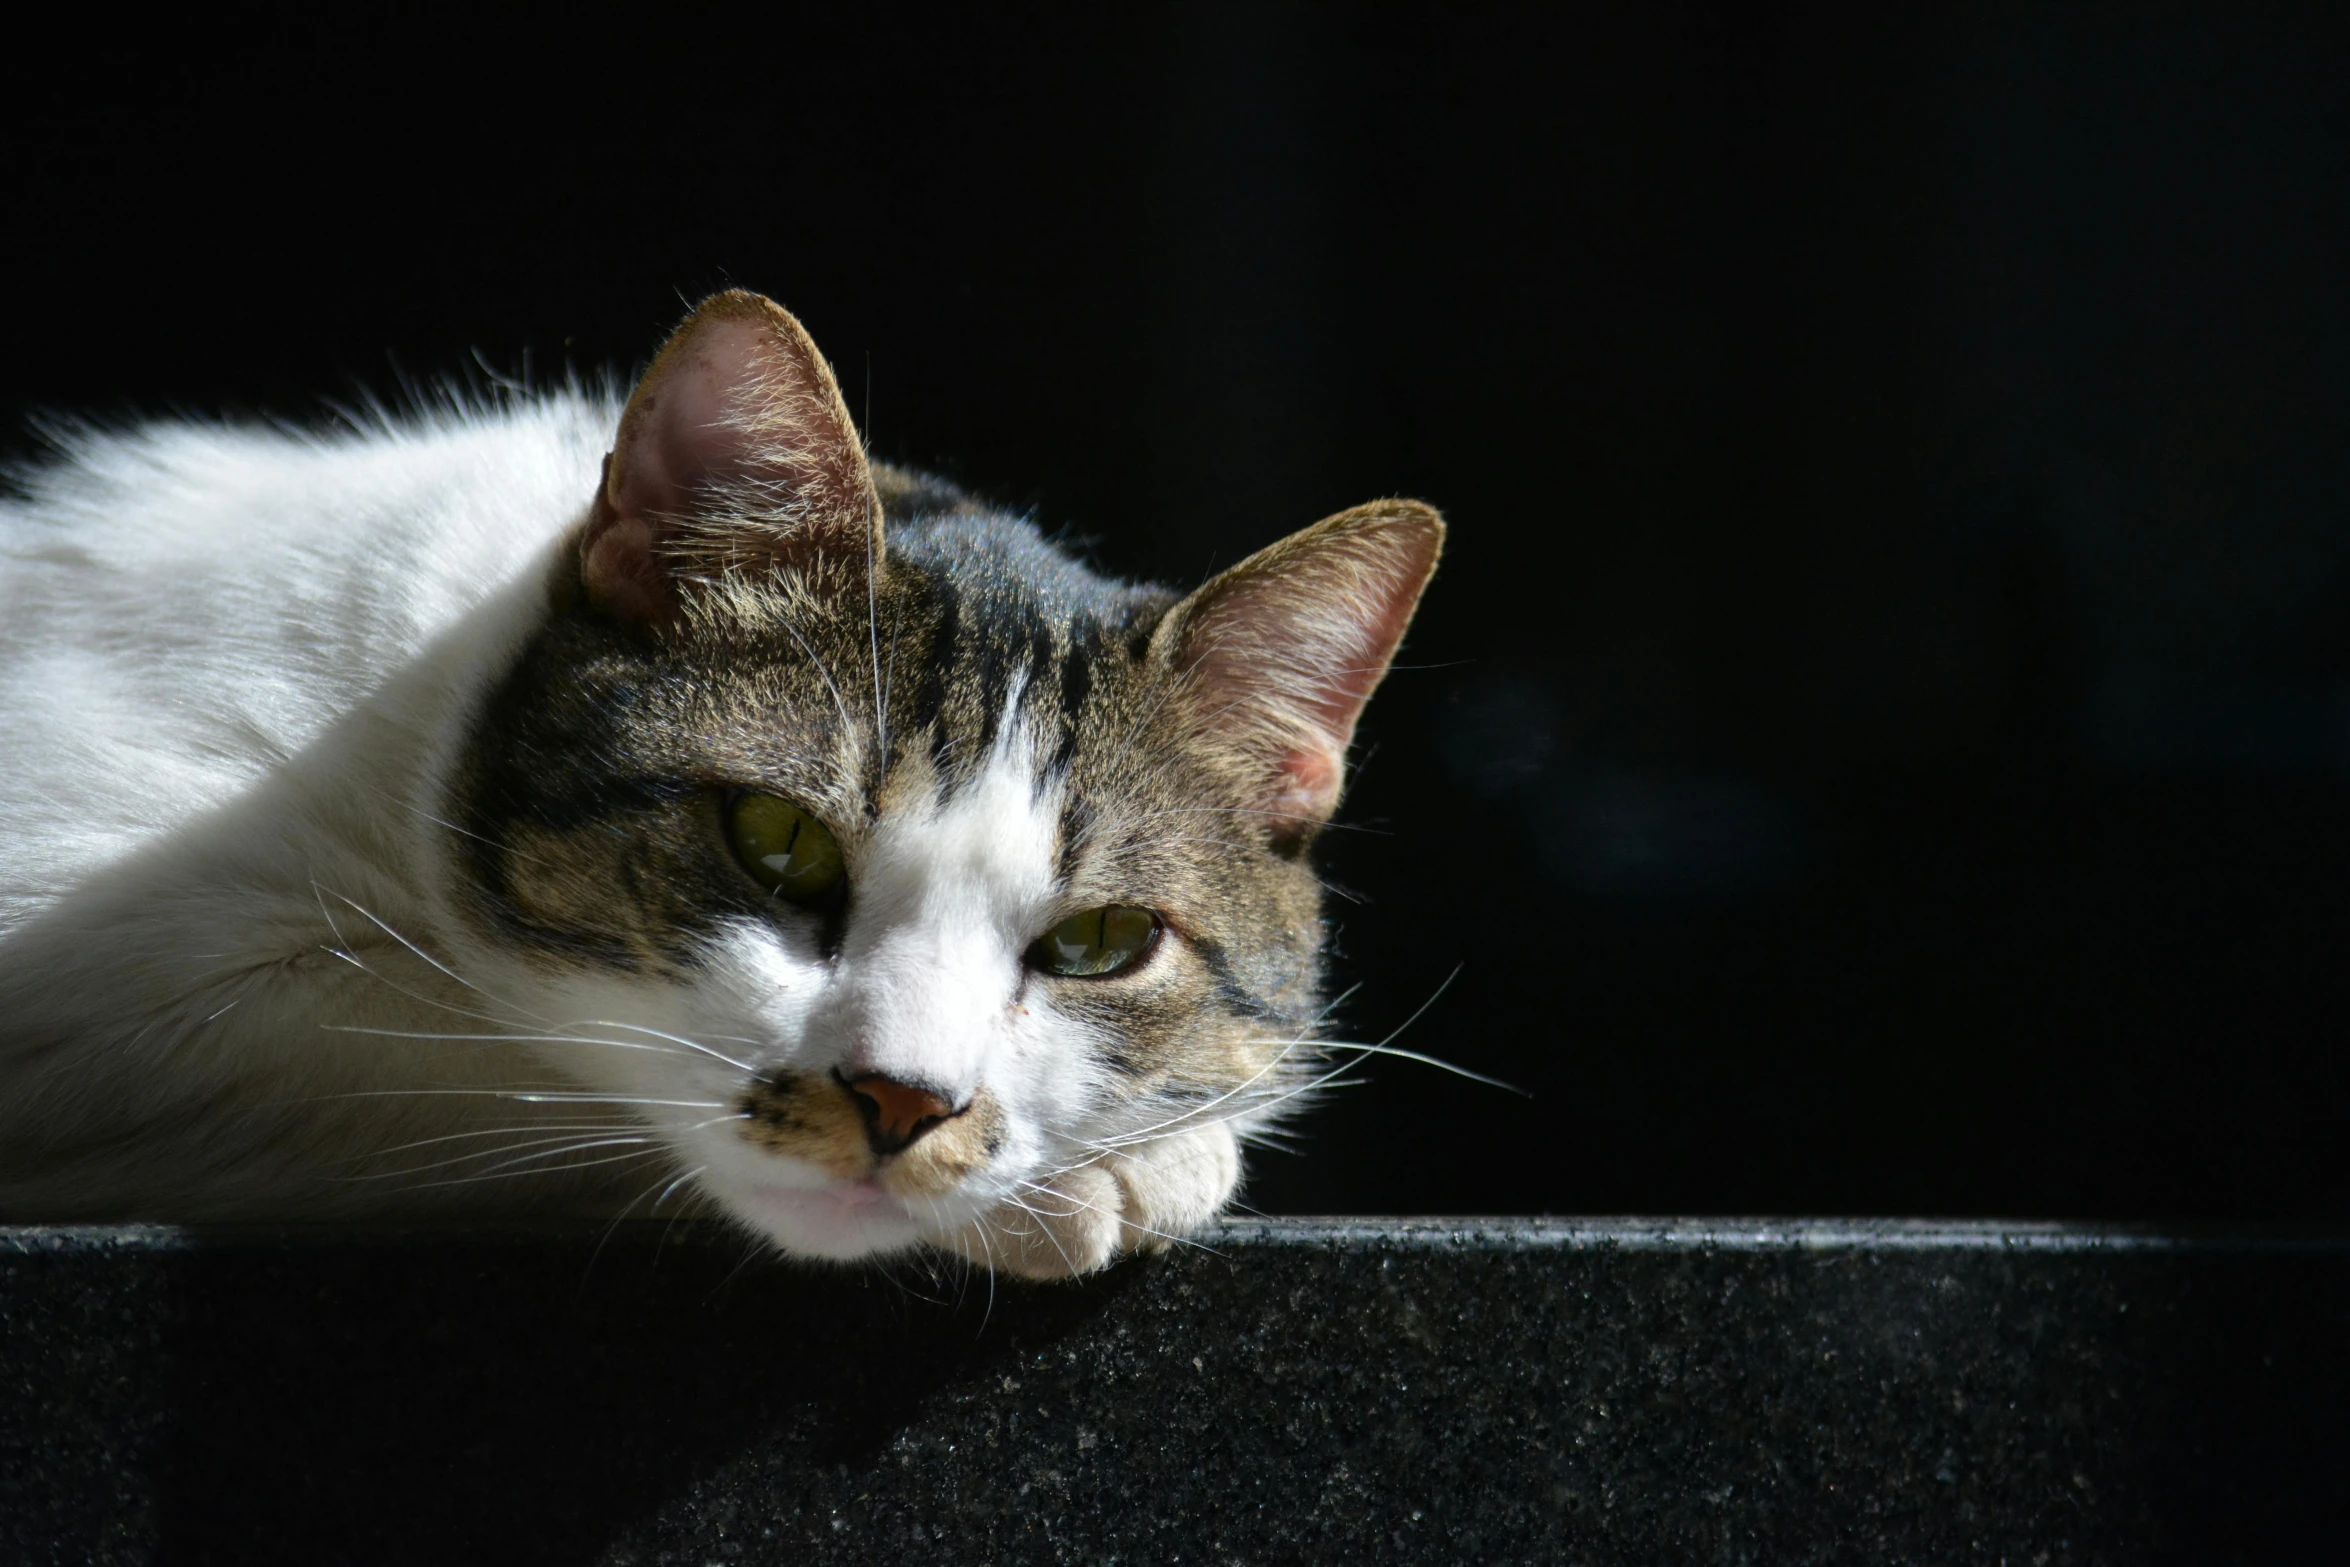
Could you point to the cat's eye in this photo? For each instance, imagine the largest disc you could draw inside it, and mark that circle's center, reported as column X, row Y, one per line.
column 1099, row 941
column 787, row 850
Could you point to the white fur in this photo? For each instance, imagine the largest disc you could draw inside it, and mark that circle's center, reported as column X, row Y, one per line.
column 929, row 987
column 233, row 665
column 234, row 669
column 183, row 609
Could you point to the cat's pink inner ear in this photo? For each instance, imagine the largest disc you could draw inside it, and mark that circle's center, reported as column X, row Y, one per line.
column 1284, row 649
column 681, row 433
column 735, row 453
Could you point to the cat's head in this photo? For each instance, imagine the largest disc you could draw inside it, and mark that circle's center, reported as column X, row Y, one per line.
column 914, row 882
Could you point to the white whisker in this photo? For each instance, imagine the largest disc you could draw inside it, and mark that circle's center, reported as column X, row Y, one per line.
column 508, row 1175
column 1127, row 1223
column 519, row 1096
column 554, row 1147
column 679, row 1214
column 675, row 1039
column 427, row 957
column 1046, row 1230
column 555, row 1129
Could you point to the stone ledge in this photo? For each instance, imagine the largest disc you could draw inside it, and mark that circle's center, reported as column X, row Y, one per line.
column 1296, row 1390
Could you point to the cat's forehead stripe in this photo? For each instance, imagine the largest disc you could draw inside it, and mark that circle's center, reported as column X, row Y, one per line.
column 996, row 648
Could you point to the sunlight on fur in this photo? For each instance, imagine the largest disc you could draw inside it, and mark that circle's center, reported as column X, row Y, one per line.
column 373, row 808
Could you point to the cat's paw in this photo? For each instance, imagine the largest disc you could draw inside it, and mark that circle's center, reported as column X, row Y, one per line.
column 1143, row 1198
column 1171, row 1186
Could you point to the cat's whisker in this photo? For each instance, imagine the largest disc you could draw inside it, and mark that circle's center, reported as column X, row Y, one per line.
column 617, row 1219
column 1046, row 1230
column 678, row 1213
column 1337, row 1001
column 1387, row 1046
column 986, row 1251
column 526, row 1174
column 1087, row 1207
column 906, row 1270
column 434, row 1002
column 682, row 1178
column 1145, row 1134
column 559, row 1142
column 536, row 1039
column 1354, row 1048
column 756, row 1245
column 848, row 723
column 368, row 915
column 556, row 1034
column 515, row 1095
column 507, row 1039
column 1094, row 1156
column 1076, row 1206
column 582, row 1147
column 675, row 1039
column 1331, row 1079
column 553, row 1147
column 347, row 955
column 554, row 1129
column 1272, row 1142
column 888, row 684
column 1272, row 1099
column 414, row 809
column 873, row 637
column 1286, row 1046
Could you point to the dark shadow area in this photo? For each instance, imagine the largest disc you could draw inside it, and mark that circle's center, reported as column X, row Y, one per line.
column 1491, row 1394
column 1880, row 741
column 520, row 1402
column 2237, row 1461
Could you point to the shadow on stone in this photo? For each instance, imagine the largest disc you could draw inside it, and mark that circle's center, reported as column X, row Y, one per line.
column 1537, row 1391
column 420, row 1403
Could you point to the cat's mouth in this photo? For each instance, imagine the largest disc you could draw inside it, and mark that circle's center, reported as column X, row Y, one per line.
column 840, row 1219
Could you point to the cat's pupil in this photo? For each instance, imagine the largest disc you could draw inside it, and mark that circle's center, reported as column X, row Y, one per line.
column 786, row 850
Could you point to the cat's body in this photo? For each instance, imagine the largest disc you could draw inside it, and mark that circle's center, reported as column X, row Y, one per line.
column 235, row 667
column 382, row 819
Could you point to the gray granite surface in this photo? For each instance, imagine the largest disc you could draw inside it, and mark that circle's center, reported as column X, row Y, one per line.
column 1426, row 1391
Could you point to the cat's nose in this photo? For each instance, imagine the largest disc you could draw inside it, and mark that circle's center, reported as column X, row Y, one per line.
column 895, row 1113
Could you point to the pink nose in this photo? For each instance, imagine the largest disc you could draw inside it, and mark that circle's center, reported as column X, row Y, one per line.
column 895, row 1113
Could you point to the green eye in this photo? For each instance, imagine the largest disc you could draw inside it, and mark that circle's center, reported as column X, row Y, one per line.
column 792, row 854
column 1099, row 941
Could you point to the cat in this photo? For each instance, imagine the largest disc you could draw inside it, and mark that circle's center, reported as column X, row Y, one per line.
column 579, row 804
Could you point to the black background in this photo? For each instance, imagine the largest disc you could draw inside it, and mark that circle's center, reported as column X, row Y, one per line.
column 1880, row 741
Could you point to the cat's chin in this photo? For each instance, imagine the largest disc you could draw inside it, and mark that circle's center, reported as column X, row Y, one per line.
column 841, row 1222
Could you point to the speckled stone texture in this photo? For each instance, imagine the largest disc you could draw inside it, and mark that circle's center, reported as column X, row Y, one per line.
column 1434, row 1391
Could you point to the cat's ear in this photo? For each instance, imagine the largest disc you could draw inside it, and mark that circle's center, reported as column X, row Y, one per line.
column 735, row 453
column 1282, row 651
